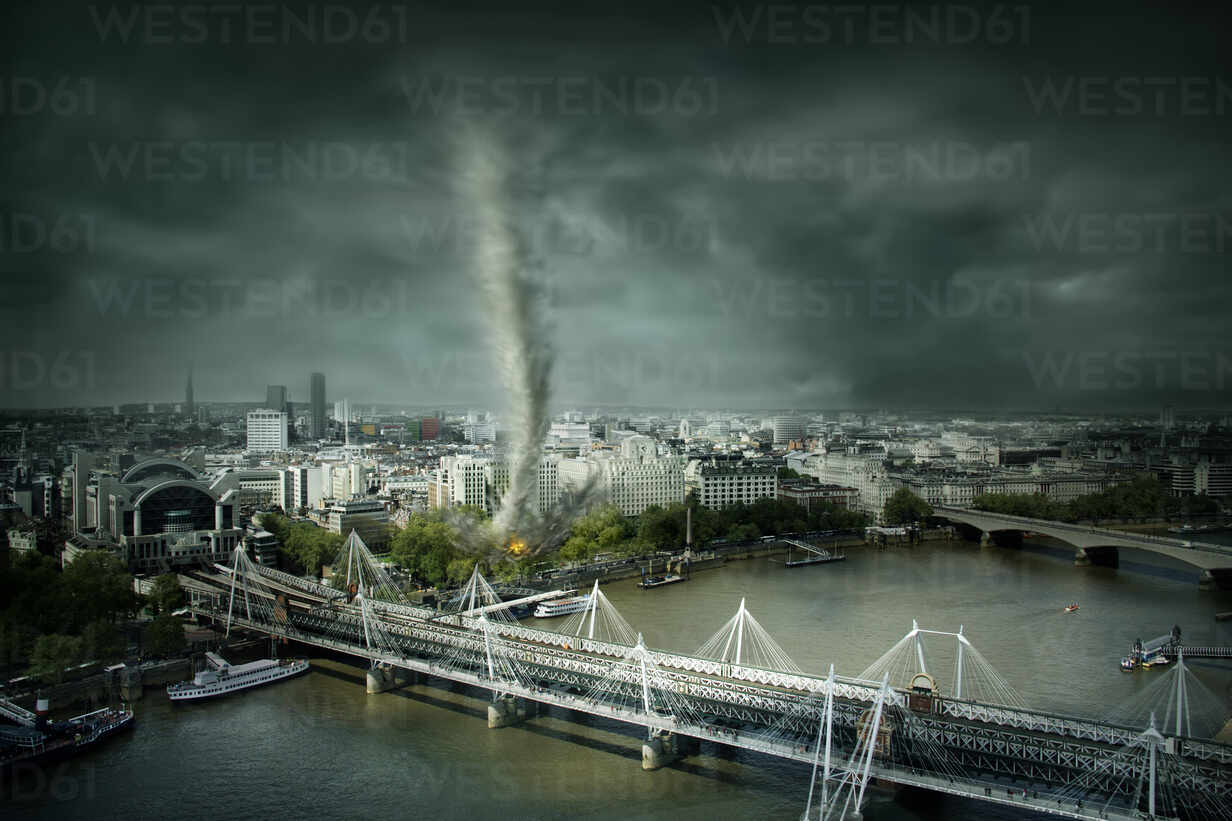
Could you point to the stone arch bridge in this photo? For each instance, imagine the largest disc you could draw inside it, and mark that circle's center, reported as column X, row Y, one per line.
column 1100, row 546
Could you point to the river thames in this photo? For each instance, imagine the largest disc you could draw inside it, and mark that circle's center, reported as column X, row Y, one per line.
column 319, row 747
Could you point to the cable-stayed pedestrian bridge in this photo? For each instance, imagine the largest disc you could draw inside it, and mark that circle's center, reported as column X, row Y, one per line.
column 903, row 720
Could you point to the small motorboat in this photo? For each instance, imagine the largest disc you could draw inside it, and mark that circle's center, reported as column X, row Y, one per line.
column 1071, row 608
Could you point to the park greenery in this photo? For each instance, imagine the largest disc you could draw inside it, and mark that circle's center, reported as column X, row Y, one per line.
column 1142, row 498
column 58, row 619
column 305, row 547
column 427, row 546
column 51, row 620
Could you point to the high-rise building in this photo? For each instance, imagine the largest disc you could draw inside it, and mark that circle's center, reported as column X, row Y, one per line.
column 316, row 396
column 267, row 431
column 1167, row 417
column 276, row 398
column 787, row 429
column 188, row 395
column 429, row 427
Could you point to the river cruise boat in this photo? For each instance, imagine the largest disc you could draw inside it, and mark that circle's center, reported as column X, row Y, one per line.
column 43, row 742
column 220, row 677
column 562, row 607
column 1071, row 608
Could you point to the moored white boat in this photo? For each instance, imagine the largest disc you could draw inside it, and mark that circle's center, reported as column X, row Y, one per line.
column 562, row 607
column 222, row 677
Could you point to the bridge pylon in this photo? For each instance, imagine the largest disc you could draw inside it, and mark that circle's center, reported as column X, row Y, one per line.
column 974, row 678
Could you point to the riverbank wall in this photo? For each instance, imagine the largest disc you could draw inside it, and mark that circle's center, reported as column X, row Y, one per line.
column 718, row 556
column 126, row 682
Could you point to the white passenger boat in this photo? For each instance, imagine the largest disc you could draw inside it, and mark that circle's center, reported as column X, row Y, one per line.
column 220, row 677
column 561, row 607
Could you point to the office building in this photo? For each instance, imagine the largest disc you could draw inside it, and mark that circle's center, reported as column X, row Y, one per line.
column 316, row 400
column 720, row 485
column 787, row 429
column 632, row 484
column 267, row 431
column 189, row 408
column 367, row 517
column 810, row 495
column 276, row 398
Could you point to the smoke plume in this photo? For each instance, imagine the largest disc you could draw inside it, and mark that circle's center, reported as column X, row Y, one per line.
column 520, row 336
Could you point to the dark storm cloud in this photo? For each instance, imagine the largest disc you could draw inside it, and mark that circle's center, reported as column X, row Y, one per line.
column 760, row 222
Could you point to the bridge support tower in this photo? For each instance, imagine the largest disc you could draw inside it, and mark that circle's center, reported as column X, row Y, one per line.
column 1097, row 557
column 384, row 677
column 508, row 710
column 130, row 683
column 1218, row 578
column 666, row 748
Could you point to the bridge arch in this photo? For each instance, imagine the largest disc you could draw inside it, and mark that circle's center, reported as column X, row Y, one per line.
column 159, row 466
column 1095, row 545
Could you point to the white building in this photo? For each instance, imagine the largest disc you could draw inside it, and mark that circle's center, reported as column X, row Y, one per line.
column 863, row 471
column 718, row 486
column 961, row 490
column 22, row 540
column 462, row 481
column 1213, row 478
column 301, row 488
column 480, row 432
column 569, row 434
column 267, row 431
column 547, row 484
column 690, row 427
column 348, row 480
column 788, row 429
column 633, row 484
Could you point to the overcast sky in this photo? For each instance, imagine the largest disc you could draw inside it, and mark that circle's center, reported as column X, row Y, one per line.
column 729, row 206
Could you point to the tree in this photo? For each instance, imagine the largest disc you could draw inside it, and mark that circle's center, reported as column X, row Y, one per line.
column 459, row 570
column 165, row 594
column 52, row 654
column 310, row 547
column 164, row 636
column 425, row 547
column 601, row 530
column 102, row 641
column 98, row 586
column 662, row 528
column 904, row 507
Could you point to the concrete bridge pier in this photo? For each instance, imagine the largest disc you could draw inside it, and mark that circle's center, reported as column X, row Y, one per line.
column 130, row 683
column 509, row 710
column 667, row 747
column 985, row 538
column 1217, row 578
column 385, row 677
column 1097, row 557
